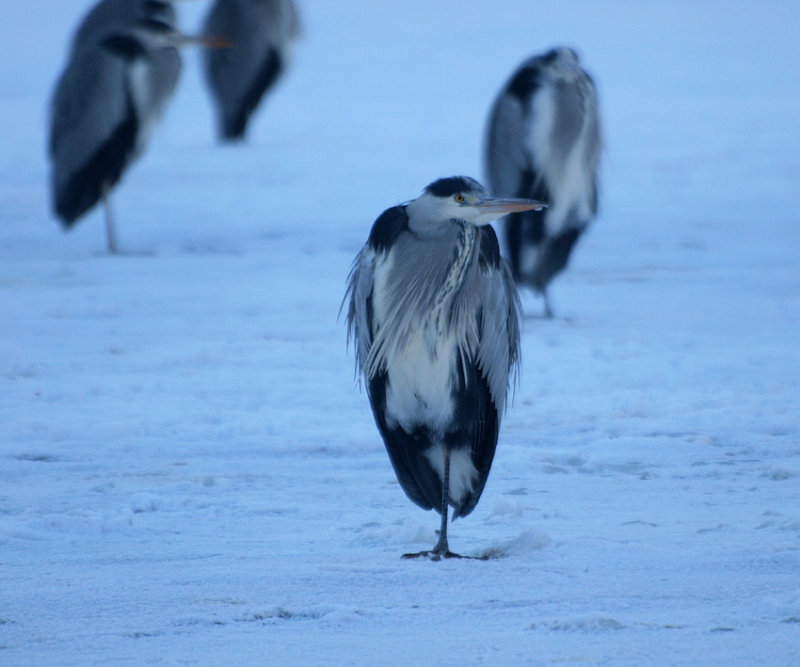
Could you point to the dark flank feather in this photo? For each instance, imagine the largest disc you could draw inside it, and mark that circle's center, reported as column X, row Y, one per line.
column 237, row 113
column 85, row 187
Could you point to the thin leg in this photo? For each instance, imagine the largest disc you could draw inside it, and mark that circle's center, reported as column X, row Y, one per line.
column 548, row 311
column 441, row 550
column 533, row 299
column 110, row 236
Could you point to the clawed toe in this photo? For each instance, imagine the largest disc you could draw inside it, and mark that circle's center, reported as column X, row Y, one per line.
column 438, row 555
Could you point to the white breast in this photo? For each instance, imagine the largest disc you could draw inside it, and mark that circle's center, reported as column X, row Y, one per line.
column 569, row 177
column 543, row 117
column 139, row 81
column 419, row 390
column 572, row 190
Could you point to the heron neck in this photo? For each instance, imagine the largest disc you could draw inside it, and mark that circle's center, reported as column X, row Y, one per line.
column 462, row 259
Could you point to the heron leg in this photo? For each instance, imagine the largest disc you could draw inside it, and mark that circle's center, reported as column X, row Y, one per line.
column 442, row 549
column 110, row 235
column 548, row 310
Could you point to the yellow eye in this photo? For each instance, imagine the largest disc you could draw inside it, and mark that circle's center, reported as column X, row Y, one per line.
column 459, row 198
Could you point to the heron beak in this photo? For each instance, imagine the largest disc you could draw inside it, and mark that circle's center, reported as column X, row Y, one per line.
column 216, row 42
column 493, row 208
column 209, row 41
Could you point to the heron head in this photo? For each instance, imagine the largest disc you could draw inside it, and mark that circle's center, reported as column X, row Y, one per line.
column 561, row 63
column 463, row 198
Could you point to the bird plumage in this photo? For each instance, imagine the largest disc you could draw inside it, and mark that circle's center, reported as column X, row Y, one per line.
column 261, row 33
column 433, row 316
column 106, row 102
column 93, row 131
column 544, row 141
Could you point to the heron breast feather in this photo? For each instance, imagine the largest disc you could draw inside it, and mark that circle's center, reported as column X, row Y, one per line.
column 419, row 390
column 560, row 148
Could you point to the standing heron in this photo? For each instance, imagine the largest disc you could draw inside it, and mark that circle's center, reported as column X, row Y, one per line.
column 434, row 317
column 544, row 141
column 106, row 103
column 262, row 34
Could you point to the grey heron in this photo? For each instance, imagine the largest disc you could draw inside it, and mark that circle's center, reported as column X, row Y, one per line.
column 434, row 318
column 106, row 103
column 262, row 34
column 543, row 141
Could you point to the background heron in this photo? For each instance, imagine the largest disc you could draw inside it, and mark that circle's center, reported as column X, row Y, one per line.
column 543, row 141
column 434, row 317
column 106, row 103
column 261, row 33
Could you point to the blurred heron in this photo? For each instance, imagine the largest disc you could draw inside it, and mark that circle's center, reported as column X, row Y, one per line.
column 106, row 103
column 433, row 315
column 544, row 141
column 262, row 34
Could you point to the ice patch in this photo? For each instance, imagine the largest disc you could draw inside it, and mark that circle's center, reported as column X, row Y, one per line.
column 588, row 624
column 279, row 613
column 527, row 542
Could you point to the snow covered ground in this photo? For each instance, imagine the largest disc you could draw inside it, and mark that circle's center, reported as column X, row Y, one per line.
column 188, row 473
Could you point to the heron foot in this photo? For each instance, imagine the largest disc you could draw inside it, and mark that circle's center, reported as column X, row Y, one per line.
column 435, row 555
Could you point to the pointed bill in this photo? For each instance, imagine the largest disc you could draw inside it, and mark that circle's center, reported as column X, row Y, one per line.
column 501, row 206
column 491, row 208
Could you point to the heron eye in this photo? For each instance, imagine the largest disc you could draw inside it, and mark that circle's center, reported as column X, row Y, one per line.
column 459, row 198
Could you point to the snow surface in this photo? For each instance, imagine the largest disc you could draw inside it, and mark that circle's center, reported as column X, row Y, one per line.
column 188, row 472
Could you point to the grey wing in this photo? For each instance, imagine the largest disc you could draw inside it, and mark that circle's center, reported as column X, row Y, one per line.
column 221, row 22
column 499, row 348
column 231, row 71
column 359, row 289
column 103, row 18
column 506, row 161
column 90, row 102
